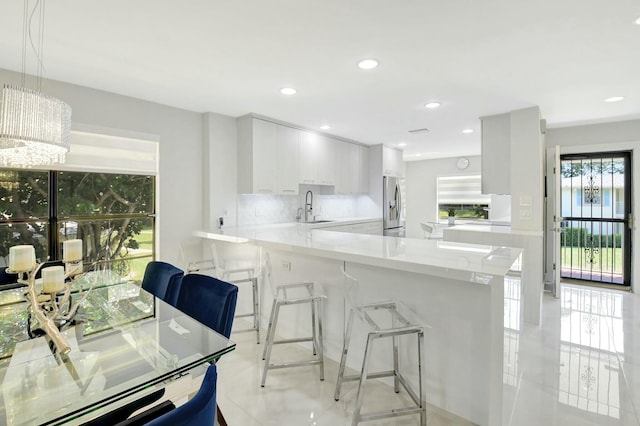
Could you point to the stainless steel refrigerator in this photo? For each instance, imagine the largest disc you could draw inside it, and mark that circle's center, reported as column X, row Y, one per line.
column 392, row 218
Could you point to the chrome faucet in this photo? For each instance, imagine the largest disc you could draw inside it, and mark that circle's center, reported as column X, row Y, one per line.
column 308, row 206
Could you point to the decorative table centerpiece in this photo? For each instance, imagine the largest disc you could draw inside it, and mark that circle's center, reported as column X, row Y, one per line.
column 50, row 308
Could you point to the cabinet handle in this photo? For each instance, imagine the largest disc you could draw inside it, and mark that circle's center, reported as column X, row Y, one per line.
column 265, row 190
column 308, row 180
column 288, row 190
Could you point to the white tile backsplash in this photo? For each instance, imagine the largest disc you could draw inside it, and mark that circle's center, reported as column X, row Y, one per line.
column 258, row 209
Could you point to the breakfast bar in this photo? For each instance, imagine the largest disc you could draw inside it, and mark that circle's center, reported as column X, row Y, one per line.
column 456, row 291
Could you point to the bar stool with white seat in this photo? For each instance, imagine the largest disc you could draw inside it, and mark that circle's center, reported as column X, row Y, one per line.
column 400, row 326
column 288, row 294
column 238, row 271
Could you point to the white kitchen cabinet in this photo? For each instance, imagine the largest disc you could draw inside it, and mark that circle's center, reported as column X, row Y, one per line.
column 392, row 163
column 288, row 162
column 496, row 154
column 257, row 156
column 348, row 168
column 309, row 148
column 327, row 163
column 316, row 159
column 352, row 168
column 267, row 157
column 363, row 182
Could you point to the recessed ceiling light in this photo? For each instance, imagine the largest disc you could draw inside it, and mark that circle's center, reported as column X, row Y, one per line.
column 432, row 105
column 325, row 127
column 418, row 155
column 402, row 144
column 637, row 21
column 614, row 99
column 367, row 64
column 288, row 91
column 467, row 131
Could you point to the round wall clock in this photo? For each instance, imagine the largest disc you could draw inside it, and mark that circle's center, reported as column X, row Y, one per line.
column 462, row 163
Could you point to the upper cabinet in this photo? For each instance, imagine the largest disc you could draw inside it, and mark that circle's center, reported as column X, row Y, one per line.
column 267, row 157
column 275, row 159
column 496, row 154
column 392, row 163
column 352, row 168
column 288, row 166
column 317, row 158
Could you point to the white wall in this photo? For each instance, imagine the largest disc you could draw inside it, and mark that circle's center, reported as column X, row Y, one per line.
column 422, row 188
column 603, row 137
column 220, row 170
column 527, row 170
column 179, row 132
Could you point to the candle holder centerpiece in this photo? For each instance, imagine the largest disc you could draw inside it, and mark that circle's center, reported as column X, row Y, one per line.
column 50, row 307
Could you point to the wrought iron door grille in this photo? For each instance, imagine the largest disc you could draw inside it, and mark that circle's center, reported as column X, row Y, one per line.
column 595, row 242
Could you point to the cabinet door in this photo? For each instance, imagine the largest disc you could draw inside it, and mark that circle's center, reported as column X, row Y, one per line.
column 287, row 171
column 327, row 163
column 392, row 163
column 341, row 150
column 364, row 170
column 353, row 168
column 308, row 144
column 265, row 156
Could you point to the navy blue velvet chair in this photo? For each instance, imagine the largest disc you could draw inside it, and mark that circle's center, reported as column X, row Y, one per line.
column 163, row 280
column 198, row 411
column 209, row 301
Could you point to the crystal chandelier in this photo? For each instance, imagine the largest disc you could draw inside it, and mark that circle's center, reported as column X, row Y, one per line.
column 35, row 129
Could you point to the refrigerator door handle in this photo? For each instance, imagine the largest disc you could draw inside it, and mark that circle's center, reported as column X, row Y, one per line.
column 398, row 198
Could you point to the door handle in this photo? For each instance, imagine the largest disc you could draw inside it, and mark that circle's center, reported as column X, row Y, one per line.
column 630, row 221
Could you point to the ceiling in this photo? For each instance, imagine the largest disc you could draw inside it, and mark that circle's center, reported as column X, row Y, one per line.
column 475, row 57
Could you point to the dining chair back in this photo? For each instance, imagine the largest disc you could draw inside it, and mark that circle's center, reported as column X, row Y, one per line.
column 199, row 410
column 163, row 280
column 209, row 301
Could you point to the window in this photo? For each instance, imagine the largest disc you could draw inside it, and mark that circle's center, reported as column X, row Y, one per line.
column 462, row 195
column 104, row 194
column 113, row 214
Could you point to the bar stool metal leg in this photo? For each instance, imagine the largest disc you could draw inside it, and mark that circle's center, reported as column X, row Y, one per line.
column 320, row 346
column 363, row 378
column 269, row 343
column 256, row 309
column 421, row 385
column 343, row 358
column 255, row 313
column 266, row 343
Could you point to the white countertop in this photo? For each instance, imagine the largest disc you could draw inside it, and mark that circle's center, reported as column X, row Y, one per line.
column 467, row 262
column 495, row 229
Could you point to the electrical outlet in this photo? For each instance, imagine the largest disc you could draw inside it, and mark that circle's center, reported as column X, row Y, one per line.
column 286, row 265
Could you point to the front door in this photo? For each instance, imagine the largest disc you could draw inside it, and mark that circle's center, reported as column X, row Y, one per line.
column 596, row 208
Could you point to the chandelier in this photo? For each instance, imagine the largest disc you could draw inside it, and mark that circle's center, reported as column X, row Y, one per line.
column 35, row 128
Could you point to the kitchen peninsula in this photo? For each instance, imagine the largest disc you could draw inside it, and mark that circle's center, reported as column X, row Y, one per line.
column 456, row 289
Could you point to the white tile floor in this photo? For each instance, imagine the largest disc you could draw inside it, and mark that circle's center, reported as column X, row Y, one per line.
column 580, row 367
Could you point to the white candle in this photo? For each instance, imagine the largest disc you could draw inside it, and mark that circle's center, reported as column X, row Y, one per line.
column 53, row 279
column 71, row 251
column 22, row 258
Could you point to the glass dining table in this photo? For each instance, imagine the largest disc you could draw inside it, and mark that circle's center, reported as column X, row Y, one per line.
column 129, row 345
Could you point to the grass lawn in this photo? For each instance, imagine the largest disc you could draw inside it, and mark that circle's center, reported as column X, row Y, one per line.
column 607, row 259
column 145, row 247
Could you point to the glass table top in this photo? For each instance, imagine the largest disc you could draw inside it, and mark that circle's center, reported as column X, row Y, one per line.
column 130, row 354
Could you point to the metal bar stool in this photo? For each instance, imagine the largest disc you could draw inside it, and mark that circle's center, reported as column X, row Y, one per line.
column 225, row 269
column 400, row 326
column 286, row 295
